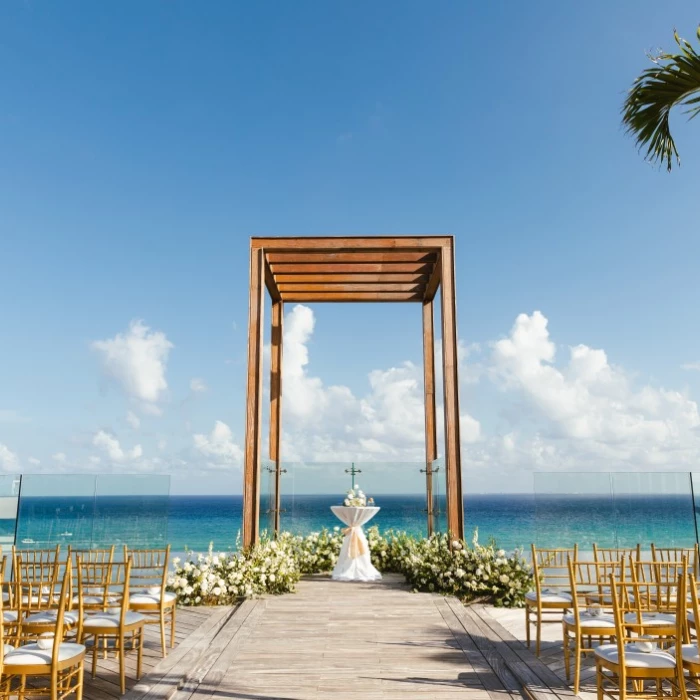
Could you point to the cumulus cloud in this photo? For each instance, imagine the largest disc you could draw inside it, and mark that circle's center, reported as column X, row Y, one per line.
column 59, row 457
column 137, row 360
column 197, row 386
column 10, row 415
column 8, row 459
column 218, row 446
column 34, row 461
column 113, row 449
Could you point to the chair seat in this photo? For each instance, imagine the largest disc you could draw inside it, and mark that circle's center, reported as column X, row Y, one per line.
column 10, row 616
column 105, row 620
column 652, row 619
column 689, row 652
column 545, row 597
column 586, row 620
column 95, row 599
column 34, row 600
column 635, row 658
column 48, row 617
column 31, row 655
column 148, row 599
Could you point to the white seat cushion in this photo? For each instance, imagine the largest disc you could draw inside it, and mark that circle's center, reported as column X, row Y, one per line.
column 690, row 653
column 31, row 655
column 545, row 597
column 48, row 617
column 148, row 599
column 95, row 599
column 34, row 600
column 9, row 616
column 586, row 620
column 652, row 619
column 635, row 658
column 107, row 620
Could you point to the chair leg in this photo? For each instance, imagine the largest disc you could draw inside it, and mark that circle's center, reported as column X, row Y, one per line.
column 599, row 681
column 162, row 632
column 567, row 652
column 172, row 626
column 95, row 645
column 122, row 664
column 139, row 656
column 538, row 631
column 577, row 662
column 79, row 689
column 527, row 624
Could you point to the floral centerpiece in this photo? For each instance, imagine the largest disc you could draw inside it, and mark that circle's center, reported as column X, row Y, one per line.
column 355, row 498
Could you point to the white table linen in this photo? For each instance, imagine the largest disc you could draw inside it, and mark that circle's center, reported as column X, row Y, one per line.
column 354, row 562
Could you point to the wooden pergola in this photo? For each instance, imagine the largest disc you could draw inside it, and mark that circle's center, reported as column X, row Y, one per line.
column 329, row 269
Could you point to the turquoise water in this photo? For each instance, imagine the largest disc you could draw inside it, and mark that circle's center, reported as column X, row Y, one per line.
column 513, row 521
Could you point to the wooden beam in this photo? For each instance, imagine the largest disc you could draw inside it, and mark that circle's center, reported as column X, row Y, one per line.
column 434, row 282
column 276, row 337
column 351, row 296
column 364, row 243
column 350, row 268
column 340, row 288
column 333, row 257
column 330, row 278
column 253, row 422
column 271, row 284
column 453, row 461
column 430, row 415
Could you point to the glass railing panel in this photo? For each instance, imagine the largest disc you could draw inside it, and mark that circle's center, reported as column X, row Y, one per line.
column 573, row 508
column 653, row 507
column 132, row 510
column 439, row 502
column 268, row 502
column 399, row 490
column 10, row 486
column 56, row 509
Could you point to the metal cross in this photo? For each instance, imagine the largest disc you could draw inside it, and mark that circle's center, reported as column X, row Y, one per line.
column 352, row 471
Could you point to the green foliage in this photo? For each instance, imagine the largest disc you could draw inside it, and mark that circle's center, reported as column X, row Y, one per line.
column 274, row 566
column 674, row 80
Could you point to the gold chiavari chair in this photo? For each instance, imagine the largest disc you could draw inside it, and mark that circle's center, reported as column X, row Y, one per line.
column 95, row 556
column 551, row 595
column 10, row 611
column 149, row 575
column 5, row 648
column 36, row 574
column 641, row 653
column 676, row 554
column 49, row 659
column 114, row 622
column 587, row 620
column 691, row 649
column 614, row 554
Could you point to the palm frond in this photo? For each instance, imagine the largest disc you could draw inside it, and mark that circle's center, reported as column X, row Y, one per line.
column 673, row 81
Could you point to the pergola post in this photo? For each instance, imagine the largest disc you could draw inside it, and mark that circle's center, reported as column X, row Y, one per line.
column 253, row 422
column 276, row 338
column 430, row 415
column 450, row 362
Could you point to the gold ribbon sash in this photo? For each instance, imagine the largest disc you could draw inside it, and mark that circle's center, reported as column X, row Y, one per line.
column 358, row 545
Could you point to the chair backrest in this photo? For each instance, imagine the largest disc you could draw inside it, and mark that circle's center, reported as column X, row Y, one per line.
column 149, row 568
column 603, row 554
column 550, row 567
column 59, row 629
column 36, row 576
column 589, row 582
column 96, row 556
column 103, row 586
column 676, row 554
column 658, row 592
column 630, row 624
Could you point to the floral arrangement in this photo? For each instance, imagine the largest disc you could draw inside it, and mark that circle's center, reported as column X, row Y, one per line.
column 357, row 499
column 274, row 566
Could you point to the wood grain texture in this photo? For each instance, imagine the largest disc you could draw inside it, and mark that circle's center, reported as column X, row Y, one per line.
column 351, row 268
column 453, row 460
column 348, row 243
column 430, row 413
column 251, row 465
column 341, row 288
column 276, row 336
column 377, row 256
column 324, row 297
column 349, row 278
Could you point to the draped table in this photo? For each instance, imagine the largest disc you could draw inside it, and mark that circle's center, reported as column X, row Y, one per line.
column 354, row 563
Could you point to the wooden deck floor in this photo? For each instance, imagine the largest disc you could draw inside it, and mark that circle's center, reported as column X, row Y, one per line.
column 344, row 641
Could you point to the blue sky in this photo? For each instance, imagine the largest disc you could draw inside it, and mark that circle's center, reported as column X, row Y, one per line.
column 143, row 144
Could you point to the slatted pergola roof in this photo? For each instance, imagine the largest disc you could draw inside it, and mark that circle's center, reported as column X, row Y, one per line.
column 352, row 269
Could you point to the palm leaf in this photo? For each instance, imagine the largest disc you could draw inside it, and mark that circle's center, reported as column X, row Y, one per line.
column 673, row 81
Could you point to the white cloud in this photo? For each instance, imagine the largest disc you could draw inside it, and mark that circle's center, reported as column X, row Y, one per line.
column 691, row 366
column 137, row 360
column 113, row 449
column 8, row 459
column 34, row 461
column 218, row 447
column 133, row 420
column 197, row 386
column 59, row 457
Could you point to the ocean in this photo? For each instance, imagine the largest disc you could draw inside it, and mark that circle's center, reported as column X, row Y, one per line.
column 512, row 521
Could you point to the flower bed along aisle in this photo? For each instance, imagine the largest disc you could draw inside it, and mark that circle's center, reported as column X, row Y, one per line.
column 274, row 566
